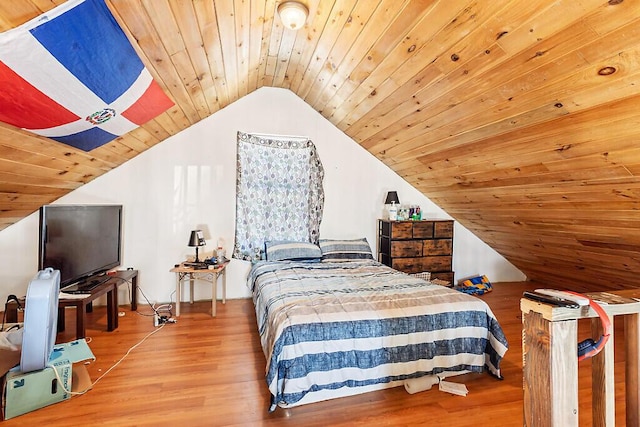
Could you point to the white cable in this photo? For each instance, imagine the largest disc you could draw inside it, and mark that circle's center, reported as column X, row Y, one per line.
column 163, row 307
column 153, row 307
column 108, row 370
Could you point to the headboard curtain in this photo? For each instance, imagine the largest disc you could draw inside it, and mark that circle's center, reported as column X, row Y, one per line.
column 279, row 194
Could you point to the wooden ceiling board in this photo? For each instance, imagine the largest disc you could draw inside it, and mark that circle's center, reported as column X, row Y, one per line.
column 421, row 49
column 16, row 13
column 520, row 119
column 359, row 48
column 456, row 105
column 319, row 53
column 396, row 33
column 488, row 58
column 209, row 32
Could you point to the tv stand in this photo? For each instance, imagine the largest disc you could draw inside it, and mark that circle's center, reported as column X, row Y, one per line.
column 84, row 302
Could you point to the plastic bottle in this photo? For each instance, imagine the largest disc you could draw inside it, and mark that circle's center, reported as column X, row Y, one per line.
column 393, row 212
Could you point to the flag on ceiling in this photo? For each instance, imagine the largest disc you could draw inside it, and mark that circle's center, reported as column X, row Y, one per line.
column 72, row 75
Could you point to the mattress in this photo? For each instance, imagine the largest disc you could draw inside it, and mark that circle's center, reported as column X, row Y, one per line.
column 337, row 329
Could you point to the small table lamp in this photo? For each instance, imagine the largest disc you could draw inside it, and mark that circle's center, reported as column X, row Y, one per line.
column 196, row 240
column 392, row 199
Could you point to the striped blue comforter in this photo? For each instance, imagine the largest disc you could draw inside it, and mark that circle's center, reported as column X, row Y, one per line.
column 335, row 329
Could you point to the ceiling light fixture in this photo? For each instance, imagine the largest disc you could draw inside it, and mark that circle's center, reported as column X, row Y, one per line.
column 293, row 14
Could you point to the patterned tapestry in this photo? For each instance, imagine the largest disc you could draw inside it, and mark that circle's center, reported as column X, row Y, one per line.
column 279, row 194
column 71, row 75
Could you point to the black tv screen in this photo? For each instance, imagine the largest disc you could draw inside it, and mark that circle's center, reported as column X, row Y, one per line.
column 80, row 240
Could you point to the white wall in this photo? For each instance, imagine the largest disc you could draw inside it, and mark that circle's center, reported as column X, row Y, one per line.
column 188, row 182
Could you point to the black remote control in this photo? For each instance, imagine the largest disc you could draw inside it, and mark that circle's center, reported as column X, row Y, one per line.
column 560, row 302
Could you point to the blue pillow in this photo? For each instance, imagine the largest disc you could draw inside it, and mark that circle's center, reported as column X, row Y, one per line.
column 292, row 251
column 345, row 250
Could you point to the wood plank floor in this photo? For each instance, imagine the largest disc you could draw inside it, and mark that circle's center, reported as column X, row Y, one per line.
column 203, row 371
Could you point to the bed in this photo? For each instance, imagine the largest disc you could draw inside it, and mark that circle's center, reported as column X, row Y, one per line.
column 334, row 327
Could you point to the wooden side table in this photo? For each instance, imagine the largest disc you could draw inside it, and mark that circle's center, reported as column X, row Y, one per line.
column 210, row 275
column 550, row 362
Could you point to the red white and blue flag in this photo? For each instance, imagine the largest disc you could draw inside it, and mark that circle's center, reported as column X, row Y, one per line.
column 71, row 75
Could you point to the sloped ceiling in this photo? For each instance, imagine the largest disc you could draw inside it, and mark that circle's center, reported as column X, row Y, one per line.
column 521, row 119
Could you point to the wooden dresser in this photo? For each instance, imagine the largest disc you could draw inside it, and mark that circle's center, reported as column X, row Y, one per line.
column 417, row 246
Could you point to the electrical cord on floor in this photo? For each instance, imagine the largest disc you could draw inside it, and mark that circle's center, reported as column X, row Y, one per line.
column 128, row 282
column 156, row 330
column 163, row 308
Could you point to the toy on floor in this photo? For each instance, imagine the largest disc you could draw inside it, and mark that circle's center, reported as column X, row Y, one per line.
column 478, row 285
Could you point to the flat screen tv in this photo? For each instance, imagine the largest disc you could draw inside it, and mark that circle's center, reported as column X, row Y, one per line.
column 82, row 241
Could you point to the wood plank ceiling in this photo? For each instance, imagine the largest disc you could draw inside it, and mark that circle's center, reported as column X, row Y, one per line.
column 520, row 118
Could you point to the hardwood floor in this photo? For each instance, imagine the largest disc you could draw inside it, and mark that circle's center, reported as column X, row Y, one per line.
column 205, row 371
